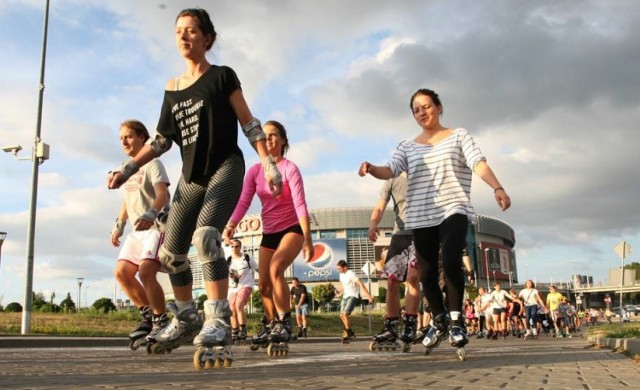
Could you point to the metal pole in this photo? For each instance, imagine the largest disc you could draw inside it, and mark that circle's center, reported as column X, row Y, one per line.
column 624, row 254
column 486, row 263
column 3, row 235
column 28, row 299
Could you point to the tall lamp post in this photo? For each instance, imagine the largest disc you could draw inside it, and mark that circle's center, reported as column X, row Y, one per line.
column 486, row 263
column 39, row 154
column 80, row 280
column 3, row 235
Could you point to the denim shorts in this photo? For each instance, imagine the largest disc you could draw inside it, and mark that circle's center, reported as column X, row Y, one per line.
column 303, row 310
column 347, row 305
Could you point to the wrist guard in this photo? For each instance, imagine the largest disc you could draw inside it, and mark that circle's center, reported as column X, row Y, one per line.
column 127, row 169
column 150, row 215
column 253, row 131
column 119, row 227
column 271, row 169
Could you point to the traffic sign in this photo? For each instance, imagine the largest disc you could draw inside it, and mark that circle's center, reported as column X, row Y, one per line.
column 369, row 268
column 623, row 249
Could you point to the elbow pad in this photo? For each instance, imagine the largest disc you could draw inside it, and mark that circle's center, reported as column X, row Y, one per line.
column 160, row 145
column 253, row 131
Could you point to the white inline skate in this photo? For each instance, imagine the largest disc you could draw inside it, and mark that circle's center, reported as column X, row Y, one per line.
column 184, row 325
column 213, row 342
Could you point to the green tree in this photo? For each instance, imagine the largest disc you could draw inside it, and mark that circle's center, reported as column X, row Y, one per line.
column 324, row 293
column 14, row 307
column 104, row 305
column 67, row 305
column 382, row 295
column 38, row 301
column 636, row 266
column 256, row 300
column 200, row 301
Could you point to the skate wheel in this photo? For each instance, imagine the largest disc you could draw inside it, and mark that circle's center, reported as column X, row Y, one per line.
column 154, row 348
column 227, row 363
column 270, row 351
column 406, row 348
column 132, row 345
column 198, row 361
column 427, row 351
column 254, row 347
column 372, row 346
column 217, row 362
column 462, row 354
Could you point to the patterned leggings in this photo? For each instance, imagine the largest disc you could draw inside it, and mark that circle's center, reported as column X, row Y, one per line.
column 203, row 204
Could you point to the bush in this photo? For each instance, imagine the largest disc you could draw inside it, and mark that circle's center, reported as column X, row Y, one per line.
column 14, row 307
column 104, row 305
column 324, row 293
column 200, row 301
column 256, row 300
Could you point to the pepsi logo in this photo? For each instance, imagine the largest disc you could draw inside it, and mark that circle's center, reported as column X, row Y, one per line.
column 322, row 255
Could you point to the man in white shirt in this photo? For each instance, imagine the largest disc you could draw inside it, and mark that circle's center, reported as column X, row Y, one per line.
column 350, row 284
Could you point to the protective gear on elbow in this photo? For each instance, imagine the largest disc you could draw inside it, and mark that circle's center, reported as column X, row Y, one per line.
column 208, row 243
column 172, row 262
column 253, row 131
column 160, row 145
column 271, row 169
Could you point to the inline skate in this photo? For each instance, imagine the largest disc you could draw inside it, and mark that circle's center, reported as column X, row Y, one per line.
column 261, row 339
column 386, row 340
column 213, row 343
column 183, row 327
column 458, row 338
column 347, row 336
column 280, row 336
column 138, row 336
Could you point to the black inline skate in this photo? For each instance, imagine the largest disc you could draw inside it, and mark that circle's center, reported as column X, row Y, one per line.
column 138, row 336
column 261, row 339
column 241, row 335
column 409, row 332
column 437, row 332
column 280, row 336
column 386, row 340
column 347, row 336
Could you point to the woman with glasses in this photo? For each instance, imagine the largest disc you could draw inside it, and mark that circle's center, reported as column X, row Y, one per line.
column 285, row 232
column 439, row 163
column 200, row 114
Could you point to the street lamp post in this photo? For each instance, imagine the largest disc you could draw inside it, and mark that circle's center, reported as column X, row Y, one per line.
column 80, row 280
column 39, row 153
column 86, row 294
column 3, row 235
column 494, row 277
column 510, row 279
column 486, row 263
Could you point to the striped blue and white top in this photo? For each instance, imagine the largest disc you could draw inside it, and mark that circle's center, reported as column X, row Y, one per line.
column 439, row 178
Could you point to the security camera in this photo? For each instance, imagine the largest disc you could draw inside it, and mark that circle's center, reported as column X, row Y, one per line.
column 12, row 149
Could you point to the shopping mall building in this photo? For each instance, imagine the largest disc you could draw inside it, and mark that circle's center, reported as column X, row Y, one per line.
column 341, row 233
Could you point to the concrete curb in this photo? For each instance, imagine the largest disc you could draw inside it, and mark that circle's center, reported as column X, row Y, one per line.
column 631, row 346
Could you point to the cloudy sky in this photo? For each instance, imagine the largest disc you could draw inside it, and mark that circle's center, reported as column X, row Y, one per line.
column 550, row 90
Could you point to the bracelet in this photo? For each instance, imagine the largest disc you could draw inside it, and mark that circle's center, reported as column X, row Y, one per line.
column 496, row 190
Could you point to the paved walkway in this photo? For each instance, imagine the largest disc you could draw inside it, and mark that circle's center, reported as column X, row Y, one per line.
column 513, row 363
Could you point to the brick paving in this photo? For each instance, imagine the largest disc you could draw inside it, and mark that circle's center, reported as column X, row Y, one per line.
column 546, row 363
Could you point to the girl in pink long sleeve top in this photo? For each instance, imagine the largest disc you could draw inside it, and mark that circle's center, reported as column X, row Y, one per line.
column 285, row 232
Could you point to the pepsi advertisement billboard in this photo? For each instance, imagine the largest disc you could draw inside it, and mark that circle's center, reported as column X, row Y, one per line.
column 322, row 266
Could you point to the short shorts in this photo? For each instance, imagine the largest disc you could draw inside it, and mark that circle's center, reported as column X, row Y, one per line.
column 272, row 240
column 499, row 310
column 141, row 245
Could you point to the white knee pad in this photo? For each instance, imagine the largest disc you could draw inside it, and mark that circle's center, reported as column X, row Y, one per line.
column 208, row 243
column 173, row 263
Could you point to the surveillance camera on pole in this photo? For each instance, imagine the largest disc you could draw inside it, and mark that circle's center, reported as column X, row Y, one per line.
column 12, row 149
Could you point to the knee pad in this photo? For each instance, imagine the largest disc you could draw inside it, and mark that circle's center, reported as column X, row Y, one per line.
column 173, row 263
column 208, row 243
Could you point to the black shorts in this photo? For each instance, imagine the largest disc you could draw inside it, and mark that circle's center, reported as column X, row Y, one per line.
column 272, row 240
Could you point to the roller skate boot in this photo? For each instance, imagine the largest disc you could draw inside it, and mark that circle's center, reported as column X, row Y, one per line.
column 241, row 336
column 386, row 340
column 280, row 336
column 409, row 332
column 347, row 336
column 436, row 333
column 304, row 332
column 183, row 326
column 138, row 336
column 234, row 335
column 261, row 339
column 420, row 334
column 213, row 342
column 458, row 338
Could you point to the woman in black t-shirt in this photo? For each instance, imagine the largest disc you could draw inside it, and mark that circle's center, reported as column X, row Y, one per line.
column 200, row 114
